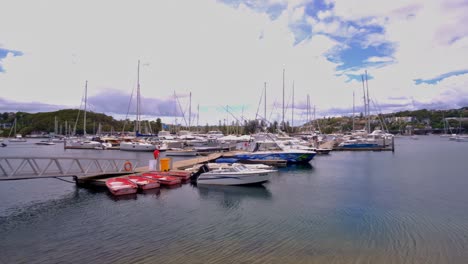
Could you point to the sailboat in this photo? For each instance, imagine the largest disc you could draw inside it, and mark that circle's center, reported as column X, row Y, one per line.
column 137, row 145
column 83, row 143
column 18, row 137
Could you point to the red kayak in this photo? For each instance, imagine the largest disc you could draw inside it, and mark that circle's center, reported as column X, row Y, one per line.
column 121, row 186
column 182, row 175
column 163, row 180
column 144, row 183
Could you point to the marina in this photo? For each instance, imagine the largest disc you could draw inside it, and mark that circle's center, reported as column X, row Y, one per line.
column 339, row 208
column 234, row 131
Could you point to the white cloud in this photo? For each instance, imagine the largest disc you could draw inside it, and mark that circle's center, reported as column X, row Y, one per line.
column 379, row 59
column 215, row 51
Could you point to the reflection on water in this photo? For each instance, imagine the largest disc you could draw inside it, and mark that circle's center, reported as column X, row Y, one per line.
column 232, row 196
column 402, row 207
column 298, row 167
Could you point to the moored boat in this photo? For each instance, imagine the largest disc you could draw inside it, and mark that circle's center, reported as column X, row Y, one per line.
column 358, row 144
column 137, row 146
column 232, row 174
column 183, row 175
column 18, row 138
column 143, row 183
column 121, row 186
column 270, row 150
column 162, row 179
column 45, row 142
column 181, row 152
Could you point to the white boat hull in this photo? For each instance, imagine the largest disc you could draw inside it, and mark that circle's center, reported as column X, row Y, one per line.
column 136, row 146
column 83, row 145
column 233, row 178
column 181, row 152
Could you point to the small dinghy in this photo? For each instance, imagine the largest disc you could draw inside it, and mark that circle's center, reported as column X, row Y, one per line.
column 162, row 179
column 182, row 175
column 143, row 183
column 121, row 186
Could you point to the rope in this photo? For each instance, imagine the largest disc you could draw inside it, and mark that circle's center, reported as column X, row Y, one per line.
column 64, row 180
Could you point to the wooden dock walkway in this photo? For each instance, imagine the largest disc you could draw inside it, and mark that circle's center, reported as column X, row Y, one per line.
column 187, row 163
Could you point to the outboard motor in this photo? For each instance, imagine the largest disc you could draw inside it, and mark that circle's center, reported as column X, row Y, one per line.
column 202, row 169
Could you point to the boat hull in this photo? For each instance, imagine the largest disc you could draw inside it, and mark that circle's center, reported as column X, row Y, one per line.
column 137, row 147
column 184, row 176
column 234, row 179
column 144, row 183
column 162, row 179
column 181, row 153
column 292, row 157
column 121, row 186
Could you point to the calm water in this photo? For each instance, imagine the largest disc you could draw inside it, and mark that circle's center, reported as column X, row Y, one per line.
column 348, row 207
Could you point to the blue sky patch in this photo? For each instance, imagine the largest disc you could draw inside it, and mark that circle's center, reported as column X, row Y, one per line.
column 274, row 10
column 354, row 52
column 440, row 77
column 354, row 56
column 4, row 53
column 313, row 8
column 301, row 31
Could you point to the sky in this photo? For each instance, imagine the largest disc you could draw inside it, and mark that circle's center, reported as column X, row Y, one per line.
column 223, row 52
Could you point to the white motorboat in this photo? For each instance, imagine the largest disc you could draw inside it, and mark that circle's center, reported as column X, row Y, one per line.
column 82, row 144
column 45, row 142
column 137, row 146
column 231, row 174
column 181, row 152
column 17, row 138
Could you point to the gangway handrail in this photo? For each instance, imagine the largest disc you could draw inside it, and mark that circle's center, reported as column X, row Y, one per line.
column 20, row 166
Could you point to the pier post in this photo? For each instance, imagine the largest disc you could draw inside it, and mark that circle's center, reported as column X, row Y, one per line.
column 393, row 144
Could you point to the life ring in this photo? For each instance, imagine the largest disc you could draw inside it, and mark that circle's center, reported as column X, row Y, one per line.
column 128, row 166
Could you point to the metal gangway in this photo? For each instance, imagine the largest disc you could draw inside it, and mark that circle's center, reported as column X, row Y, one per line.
column 14, row 168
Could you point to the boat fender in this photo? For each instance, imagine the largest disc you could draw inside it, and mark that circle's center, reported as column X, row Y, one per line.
column 128, row 166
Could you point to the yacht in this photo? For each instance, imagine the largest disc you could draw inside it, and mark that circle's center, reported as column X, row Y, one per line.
column 270, row 150
column 136, row 146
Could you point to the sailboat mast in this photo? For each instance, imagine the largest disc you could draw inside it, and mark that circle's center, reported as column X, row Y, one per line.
column 365, row 101
column 292, row 109
column 283, row 103
column 265, row 103
column 353, row 110
column 85, row 103
column 368, row 105
column 308, row 112
column 137, row 127
column 190, row 111
column 198, row 115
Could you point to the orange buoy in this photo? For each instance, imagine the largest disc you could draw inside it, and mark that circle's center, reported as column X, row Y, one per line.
column 128, row 166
